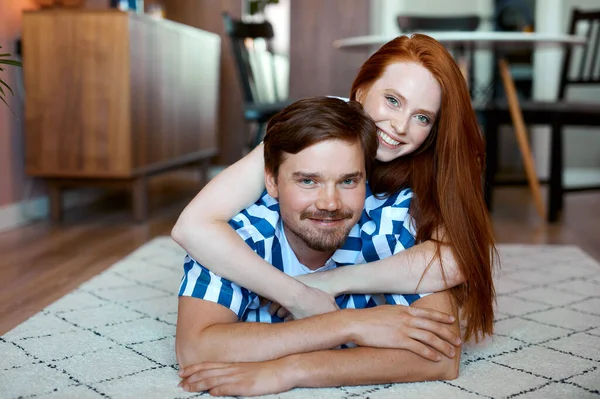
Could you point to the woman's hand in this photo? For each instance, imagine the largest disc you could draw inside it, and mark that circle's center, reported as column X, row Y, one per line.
column 310, row 302
column 322, row 281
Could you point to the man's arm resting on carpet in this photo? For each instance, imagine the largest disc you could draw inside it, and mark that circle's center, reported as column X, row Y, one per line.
column 360, row 366
column 328, row 368
column 209, row 332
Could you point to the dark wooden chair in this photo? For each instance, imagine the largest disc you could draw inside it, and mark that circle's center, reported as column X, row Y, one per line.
column 581, row 67
column 413, row 23
column 255, row 61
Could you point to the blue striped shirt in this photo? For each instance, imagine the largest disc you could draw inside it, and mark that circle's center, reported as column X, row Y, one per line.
column 384, row 228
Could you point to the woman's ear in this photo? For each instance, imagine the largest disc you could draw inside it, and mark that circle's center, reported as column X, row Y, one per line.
column 271, row 184
column 359, row 95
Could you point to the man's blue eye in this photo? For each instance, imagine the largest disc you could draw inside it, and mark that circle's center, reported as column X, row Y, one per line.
column 349, row 181
column 307, row 181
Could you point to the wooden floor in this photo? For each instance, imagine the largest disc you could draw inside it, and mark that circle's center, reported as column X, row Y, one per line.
column 40, row 263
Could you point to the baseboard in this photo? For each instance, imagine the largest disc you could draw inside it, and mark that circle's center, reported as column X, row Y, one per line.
column 29, row 211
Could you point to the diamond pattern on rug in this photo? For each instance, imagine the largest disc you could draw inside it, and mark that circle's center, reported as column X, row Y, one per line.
column 589, row 381
column 559, row 390
column 113, row 337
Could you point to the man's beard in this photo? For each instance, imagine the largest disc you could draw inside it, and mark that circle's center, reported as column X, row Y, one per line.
column 323, row 240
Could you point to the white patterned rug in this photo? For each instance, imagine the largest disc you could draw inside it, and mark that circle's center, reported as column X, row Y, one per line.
column 114, row 336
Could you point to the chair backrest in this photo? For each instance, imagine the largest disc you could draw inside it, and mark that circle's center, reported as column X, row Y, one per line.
column 256, row 62
column 581, row 66
column 412, row 23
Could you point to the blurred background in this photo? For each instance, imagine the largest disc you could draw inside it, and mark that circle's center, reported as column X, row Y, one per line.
column 147, row 97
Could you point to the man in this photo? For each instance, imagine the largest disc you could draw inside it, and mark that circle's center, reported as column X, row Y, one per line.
column 317, row 155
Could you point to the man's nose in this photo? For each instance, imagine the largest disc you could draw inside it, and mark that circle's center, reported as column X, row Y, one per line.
column 329, row 199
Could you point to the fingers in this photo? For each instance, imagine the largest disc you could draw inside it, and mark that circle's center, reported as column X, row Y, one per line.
column 273, row 308
column 431, row 314
column 439, row 331
column 282, row 312
column 433, row 345
column 187, row 371
column 209, row 384
column 424, row 351
column 208, row 375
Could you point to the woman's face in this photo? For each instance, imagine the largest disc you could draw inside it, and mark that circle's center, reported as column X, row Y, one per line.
column 404, row 103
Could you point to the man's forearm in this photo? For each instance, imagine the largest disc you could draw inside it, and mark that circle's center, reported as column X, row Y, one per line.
column 252, row 342
column 363, row 366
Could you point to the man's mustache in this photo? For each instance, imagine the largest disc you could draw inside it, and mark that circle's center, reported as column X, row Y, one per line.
column 333, row 215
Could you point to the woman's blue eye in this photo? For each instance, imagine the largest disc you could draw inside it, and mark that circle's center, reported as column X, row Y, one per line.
column 392, row 100
column 423, row 119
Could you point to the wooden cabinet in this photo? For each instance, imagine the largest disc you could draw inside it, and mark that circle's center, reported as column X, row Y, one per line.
column 114, row 97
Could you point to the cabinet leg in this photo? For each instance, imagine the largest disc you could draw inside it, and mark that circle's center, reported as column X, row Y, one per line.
column 140, row 199
column 56, row 206
column 204, row 172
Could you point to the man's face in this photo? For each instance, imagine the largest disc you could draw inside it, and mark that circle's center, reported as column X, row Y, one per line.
column 321, row 193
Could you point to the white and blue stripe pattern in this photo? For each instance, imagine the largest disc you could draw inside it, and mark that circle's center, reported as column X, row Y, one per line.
column 385, row 228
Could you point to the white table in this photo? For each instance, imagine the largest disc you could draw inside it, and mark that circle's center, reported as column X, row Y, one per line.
column 489, row 40
column 479, row 38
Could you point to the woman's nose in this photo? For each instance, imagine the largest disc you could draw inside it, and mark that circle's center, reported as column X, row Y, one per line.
column 399, row 124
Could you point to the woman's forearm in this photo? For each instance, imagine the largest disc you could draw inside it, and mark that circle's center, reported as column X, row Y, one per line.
column 220, row 249
column 202, row 230
column 406, row 272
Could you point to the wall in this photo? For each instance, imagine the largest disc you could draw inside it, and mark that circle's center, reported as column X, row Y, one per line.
column 316, row 67
column 12, row 177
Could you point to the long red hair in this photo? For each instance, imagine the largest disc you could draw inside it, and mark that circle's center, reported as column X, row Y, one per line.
column 445, row 176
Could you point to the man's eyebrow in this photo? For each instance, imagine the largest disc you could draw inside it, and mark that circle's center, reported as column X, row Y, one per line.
column 431, row 114
column 353, row 175
column 306, row 175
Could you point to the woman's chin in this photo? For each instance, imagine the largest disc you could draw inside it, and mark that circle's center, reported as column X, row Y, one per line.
column 387, row 155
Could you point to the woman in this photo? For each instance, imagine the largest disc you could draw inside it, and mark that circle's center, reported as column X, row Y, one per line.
column 429, row 141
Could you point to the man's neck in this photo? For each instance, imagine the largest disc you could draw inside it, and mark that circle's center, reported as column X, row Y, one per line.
column 307, row 256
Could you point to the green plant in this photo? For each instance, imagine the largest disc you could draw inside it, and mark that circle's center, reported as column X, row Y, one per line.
column 5, row 61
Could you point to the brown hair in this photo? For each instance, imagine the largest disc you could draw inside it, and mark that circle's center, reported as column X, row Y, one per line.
column 312, row 120
column 445, row 176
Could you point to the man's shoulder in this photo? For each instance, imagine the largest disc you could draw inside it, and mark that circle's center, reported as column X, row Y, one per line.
column 400, row 199
column 259, row 221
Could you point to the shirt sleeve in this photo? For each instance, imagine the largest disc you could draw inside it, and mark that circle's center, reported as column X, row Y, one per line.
column 256, row 226
column 387, row 226
column 199, row 282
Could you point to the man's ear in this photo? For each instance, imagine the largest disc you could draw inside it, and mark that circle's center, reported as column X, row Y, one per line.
column 271, row 184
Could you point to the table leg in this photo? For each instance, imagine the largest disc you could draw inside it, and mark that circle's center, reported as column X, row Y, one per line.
column 521, row 133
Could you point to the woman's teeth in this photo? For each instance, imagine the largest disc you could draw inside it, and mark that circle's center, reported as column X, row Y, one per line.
column 387, row 138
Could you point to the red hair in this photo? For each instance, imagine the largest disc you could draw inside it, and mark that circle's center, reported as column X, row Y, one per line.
column 445, row 175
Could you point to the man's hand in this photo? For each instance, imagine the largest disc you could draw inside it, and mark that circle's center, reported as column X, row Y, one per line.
column 238, row 379
column 425, row 332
